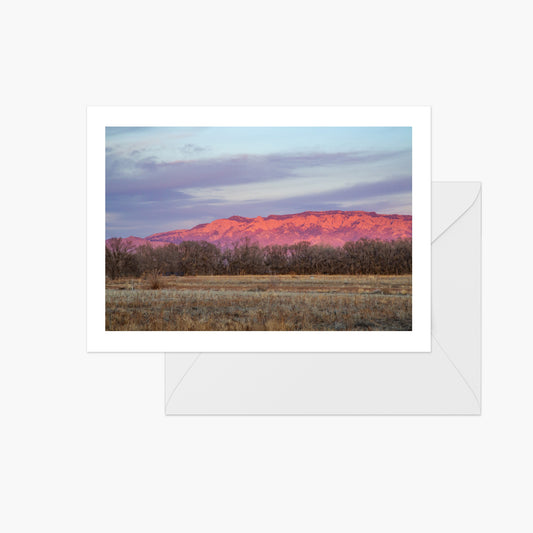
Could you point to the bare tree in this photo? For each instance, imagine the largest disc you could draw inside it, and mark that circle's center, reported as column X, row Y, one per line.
column 247, row 257
column 120, row 259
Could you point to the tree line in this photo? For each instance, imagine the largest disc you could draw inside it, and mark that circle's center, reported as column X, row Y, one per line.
column 191, row 258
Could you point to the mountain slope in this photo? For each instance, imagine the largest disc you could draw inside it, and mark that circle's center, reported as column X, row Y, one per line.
column 324, row 227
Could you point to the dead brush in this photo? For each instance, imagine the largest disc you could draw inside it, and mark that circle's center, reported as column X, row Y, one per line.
column 154, row 279
column 234, row 303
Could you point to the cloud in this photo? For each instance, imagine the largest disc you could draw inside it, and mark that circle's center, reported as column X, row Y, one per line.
column 192, row 149
column 364, row 191
column 146, row 195
column 386, row 194
column 165, row 212
column 233, row 170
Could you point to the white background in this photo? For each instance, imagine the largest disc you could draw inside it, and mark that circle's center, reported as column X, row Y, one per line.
column 85, row 446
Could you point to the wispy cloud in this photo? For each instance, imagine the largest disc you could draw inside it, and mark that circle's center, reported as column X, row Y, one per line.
column 145, row 194
column 230, row 170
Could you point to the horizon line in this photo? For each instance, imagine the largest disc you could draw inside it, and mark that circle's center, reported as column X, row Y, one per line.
column 243, row 218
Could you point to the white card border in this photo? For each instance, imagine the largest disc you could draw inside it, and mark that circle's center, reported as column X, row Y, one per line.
column 417, row 340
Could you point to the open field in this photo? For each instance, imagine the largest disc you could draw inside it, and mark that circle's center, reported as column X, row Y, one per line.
column 259, row 303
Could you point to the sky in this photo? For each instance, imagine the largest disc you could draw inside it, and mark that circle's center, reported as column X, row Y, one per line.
column 162, row 179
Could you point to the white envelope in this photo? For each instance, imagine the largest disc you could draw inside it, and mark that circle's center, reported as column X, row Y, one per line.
column 446, row 380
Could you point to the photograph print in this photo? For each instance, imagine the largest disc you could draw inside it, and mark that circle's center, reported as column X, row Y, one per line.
column 258, row 228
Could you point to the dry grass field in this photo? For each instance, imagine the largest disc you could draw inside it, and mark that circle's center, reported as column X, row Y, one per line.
column 259, row 303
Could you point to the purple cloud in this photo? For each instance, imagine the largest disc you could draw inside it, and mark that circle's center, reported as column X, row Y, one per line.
column 148, row 195
column 232, row 170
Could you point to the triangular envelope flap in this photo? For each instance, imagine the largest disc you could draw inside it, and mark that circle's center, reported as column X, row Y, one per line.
column 450, row 200
column 456, row 294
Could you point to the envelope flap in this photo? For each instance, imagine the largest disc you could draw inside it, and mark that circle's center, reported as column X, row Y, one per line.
column 453, row 200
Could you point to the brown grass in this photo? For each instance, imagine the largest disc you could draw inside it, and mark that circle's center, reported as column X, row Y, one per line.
column 154, row 280
column 259, row 303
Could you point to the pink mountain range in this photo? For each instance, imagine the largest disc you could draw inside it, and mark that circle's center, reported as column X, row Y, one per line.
column 318, row 227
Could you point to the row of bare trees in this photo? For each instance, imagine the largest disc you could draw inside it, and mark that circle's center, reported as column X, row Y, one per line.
column 191, row 258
